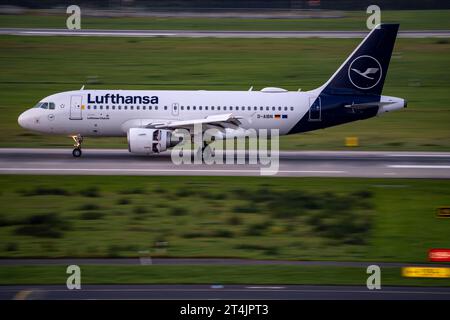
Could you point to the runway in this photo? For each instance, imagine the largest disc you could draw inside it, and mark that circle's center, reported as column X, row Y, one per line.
column 214, row 34
column 291, row 164
column 234, row 292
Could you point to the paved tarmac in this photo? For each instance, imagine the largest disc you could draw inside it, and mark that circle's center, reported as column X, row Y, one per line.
column 215, row 34
column 235, row 292
column 291, row 164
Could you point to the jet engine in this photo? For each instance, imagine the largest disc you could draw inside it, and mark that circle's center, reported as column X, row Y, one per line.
column 148, row 141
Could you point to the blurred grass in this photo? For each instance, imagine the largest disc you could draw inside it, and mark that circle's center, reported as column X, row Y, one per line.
column 34, row 67
column 349, row 20
column 273, row 274
column 283, row 218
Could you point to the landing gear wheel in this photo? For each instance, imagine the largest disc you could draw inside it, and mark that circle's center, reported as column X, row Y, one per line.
column 76, row 152
column 203, row 155
column 210, row 152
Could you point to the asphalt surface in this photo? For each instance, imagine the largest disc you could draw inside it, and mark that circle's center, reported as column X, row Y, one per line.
column 214, row 34
column 204, row 292
column 299, row 164
column 201, row 261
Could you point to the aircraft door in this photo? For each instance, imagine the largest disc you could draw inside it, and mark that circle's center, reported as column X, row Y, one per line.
column 75, row 108
column 315, row 111
column 175, row 109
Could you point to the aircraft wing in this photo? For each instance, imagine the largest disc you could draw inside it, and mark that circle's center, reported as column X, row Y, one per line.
column 219, row 121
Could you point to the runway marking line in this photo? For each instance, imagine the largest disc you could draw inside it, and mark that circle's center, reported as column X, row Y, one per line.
column 418, row 155
column 168, row 170
column 262, row 287
column 98, row 33
column 418, row 166
column 22, row 294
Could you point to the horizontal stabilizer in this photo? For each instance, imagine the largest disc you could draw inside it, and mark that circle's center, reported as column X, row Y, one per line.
column 362, row 106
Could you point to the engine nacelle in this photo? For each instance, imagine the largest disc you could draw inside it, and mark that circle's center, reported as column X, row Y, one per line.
column 148, row 141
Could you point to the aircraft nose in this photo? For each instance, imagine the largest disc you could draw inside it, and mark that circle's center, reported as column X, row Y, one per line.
column 24, row 120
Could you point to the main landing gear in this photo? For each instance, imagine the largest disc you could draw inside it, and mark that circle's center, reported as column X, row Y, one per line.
column 209, row 153
column 77, row 151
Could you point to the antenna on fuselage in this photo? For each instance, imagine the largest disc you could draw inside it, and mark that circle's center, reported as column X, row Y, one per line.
column 82, row 88
column 251, row 88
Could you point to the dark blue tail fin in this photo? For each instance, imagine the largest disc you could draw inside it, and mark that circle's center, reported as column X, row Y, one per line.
column 365, row 69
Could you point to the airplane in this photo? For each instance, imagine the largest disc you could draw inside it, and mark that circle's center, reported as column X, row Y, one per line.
column 149, row 118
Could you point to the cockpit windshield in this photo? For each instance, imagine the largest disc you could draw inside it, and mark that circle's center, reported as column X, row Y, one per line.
column 45, row 105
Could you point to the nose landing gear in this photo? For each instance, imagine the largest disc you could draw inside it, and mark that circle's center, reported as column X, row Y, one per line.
column 77, row 151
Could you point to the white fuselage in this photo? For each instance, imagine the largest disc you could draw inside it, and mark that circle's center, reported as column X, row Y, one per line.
column 78, row 112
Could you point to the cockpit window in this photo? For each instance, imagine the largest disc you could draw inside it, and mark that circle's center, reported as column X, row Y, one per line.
column 45, row 105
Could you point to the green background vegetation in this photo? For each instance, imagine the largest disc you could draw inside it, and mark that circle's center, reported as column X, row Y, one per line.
column 274, row 274
column 34, row 67
column 283, row 218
